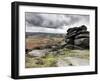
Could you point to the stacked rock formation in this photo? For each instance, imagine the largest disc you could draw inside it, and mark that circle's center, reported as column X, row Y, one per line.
column 77, row 37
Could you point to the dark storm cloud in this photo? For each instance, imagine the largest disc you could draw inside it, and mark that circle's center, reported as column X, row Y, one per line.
column 34, row 19
column 53, row 20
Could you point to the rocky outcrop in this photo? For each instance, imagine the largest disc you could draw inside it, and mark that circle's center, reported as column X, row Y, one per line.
column 77, row 37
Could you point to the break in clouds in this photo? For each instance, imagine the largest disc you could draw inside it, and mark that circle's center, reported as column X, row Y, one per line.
column 38, row 21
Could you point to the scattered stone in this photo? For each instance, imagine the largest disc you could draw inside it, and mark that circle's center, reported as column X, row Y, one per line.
column 38, row 53
column 27, row 50
column 39, row 61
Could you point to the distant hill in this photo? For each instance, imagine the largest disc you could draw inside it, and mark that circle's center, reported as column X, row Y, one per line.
column 38, row 34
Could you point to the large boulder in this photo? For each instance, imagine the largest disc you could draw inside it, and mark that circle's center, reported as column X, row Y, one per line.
column 78, row 36
column 38, row 53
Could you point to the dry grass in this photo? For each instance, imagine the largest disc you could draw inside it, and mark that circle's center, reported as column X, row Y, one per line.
column 33, row 42
column 50, row 60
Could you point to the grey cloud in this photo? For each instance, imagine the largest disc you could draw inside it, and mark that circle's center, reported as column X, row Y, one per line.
column 33, row 19
column 75, row 18
column 54, row 20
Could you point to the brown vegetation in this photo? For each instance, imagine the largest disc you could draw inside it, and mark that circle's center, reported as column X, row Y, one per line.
column 37, row 42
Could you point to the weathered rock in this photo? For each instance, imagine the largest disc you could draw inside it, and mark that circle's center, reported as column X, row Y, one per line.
column 71, row 34
column 82, row 42
column 72, row 29
column 77, row 36
column 27, row 50
column 82, row 32
column 84, row 35
column 70, row 41
column 69, row 46
column 38, row 53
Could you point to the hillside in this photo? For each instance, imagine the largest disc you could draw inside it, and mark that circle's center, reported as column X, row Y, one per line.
column 40, row 40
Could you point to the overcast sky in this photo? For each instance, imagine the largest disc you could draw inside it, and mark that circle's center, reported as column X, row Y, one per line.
column 53, row 23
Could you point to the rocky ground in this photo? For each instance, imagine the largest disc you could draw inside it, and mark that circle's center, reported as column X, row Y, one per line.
column 68, row 58
column 72, row 51
column 72, row 61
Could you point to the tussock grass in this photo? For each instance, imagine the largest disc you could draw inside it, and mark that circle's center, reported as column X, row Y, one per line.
column 50, row 59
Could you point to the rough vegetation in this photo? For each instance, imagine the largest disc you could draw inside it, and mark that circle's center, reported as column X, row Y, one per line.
column 47, row 50
column 52, row 60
